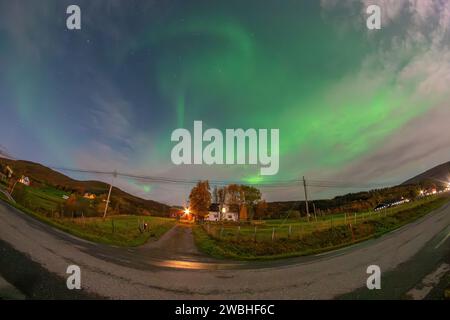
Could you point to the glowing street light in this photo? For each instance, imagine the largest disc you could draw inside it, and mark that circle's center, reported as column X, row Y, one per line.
column 187, row 211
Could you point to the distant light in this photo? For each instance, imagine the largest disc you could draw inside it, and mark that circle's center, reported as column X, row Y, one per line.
column 224, row 210
column 187, row 211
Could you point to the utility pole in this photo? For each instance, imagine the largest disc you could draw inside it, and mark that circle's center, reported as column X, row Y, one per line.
column 109, row 194
column 306, row 197
column 315, row 215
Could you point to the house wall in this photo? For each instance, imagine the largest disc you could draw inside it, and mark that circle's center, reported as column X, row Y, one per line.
column 212, row 216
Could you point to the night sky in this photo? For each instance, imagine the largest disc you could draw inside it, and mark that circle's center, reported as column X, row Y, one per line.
column 352, row 104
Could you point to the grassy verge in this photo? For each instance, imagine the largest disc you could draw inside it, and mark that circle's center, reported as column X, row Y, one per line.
column 3, row 197
column 114, row 230
column 316, row 241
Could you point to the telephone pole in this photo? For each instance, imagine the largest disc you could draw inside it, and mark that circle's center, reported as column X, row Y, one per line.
column 109, row 194
column 314, row 207
column 306, row 197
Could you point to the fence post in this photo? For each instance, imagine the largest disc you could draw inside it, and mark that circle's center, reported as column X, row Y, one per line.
column 273, row 233
column 290, row 230
column 221, row 232
column 355, row 217
column 331, row 221
column 238, row 232
column 345, row 218
column 254, row 235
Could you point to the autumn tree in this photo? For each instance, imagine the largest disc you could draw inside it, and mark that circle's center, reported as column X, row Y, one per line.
column 250, row 197
column 76, row 206
column 200, row 199
column 235, row 197
column 221, row 195
column 261, row 209
column 215, row 195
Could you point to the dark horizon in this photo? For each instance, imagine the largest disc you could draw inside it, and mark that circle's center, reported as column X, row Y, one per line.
column 301, row 198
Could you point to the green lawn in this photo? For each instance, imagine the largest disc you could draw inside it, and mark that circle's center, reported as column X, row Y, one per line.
column 298, row 228
column 3, row 197
column 122, row 230
column 273, row 239
column 46, row 199
column 116, row 230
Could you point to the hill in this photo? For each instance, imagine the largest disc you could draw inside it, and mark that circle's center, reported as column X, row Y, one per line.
column 43, row 176
column 437, row 177
column 440, row 173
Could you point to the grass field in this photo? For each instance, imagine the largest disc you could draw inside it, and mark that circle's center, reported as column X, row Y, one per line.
column 116, row 230
column 113, row 230
column 122, row 230
column 297, row 228
column 285, row 238
column 44, row 199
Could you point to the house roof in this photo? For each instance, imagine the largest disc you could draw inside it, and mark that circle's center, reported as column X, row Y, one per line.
column 214, row 207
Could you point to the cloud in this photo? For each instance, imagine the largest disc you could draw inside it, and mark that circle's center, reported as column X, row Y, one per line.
column 411, row 57
column 420, row 145
column 111, row 118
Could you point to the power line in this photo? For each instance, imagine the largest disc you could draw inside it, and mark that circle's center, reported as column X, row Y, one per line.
column 293, row 183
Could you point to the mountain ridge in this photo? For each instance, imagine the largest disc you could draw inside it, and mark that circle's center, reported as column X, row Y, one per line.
column 439, row 173
column 42, row 175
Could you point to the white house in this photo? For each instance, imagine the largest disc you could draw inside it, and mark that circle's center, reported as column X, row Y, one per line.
column 230, row 216
column 25, row 180
column 221, row 213
column 89, row 196
column 212, row 216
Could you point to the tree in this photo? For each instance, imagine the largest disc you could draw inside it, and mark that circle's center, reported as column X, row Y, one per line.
column 20, row 195
column 221, row 195
column 216, row 195
column 77, row 206
column 100, row 204
column 261, row 209
column 250, row 196
column 200, row 199
column 235, row 197
column 240, row 195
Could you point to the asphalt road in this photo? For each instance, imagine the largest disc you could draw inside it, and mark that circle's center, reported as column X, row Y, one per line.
column 172, row 268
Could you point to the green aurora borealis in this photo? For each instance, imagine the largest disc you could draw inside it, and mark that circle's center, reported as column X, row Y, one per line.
column 110, row 95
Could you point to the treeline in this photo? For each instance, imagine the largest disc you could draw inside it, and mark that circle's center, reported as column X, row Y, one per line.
column 78, row 206
column 237, row 196
column 352, row 202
